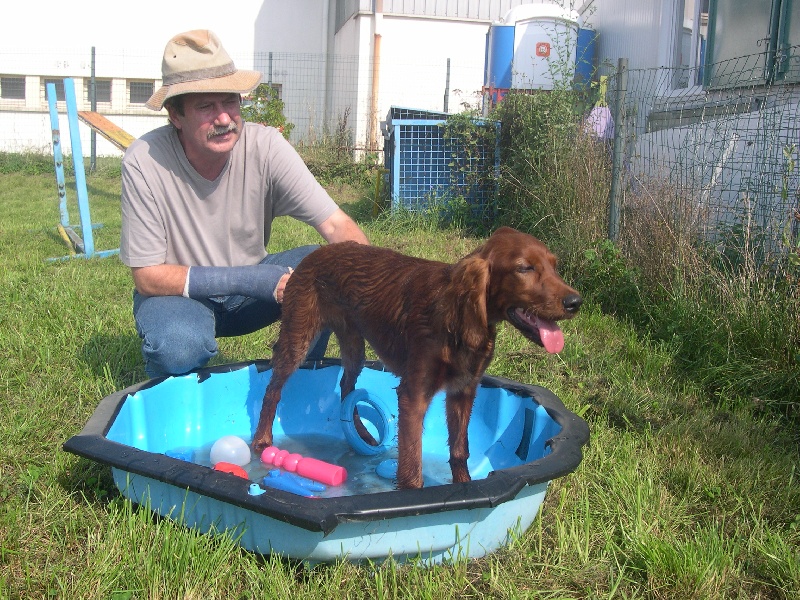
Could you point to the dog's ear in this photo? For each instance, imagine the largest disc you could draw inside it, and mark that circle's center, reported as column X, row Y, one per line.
column 467, row 300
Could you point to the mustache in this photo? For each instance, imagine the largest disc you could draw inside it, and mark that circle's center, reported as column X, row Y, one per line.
column 232, row 127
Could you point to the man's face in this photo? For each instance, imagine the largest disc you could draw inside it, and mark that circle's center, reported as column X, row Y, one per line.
column 210, row 126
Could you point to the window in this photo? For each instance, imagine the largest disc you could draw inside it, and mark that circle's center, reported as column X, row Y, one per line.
column 102, row 90
column 691, row 47
column 787, row 52
column 59, row 83
column 752, row 42
column 12, row 88
column 140, row 91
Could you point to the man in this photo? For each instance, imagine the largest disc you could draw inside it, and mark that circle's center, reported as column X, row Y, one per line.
column 198, row 199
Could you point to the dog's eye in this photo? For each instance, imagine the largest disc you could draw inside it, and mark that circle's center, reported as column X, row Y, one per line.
column 525, row 268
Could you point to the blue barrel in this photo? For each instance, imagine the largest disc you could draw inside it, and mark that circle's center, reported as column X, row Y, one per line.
column 586, row 58
column 499, row 56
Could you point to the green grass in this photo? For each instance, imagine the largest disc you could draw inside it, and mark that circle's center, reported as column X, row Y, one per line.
column 677, row 497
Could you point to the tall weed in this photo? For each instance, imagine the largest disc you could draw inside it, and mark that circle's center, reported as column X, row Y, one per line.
column 554, row 178
column 725, row 296
column 731, row 307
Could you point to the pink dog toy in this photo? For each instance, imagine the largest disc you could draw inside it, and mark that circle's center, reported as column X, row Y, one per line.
column 311, row 468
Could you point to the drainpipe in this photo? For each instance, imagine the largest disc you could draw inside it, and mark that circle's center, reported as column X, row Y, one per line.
column 326, row 60
column 377, row 9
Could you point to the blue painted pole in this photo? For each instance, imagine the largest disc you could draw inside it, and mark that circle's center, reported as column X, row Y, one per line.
column 77, row 162
column 58, row 157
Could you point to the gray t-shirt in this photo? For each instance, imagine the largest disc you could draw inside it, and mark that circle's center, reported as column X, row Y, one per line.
column 172, row 215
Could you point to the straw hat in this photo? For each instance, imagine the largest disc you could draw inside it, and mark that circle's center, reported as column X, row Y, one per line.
column 196, row 62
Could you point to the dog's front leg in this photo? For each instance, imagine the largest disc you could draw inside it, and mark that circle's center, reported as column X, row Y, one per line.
column 412, row 407
column 459, row 409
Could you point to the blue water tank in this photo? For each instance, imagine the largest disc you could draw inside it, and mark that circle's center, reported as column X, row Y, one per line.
column 499, row 56
column 586, row 58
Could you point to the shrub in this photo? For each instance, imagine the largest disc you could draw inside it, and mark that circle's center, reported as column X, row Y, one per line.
column 29, row 163
column 265, row 107
column 554, row 177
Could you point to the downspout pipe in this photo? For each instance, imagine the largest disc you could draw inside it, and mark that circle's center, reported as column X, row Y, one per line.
column 377, row 10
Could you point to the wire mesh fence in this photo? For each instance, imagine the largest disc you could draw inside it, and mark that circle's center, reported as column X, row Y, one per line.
column 724, row 154
column 715, row 163
column 322, row 93
column 428, row 164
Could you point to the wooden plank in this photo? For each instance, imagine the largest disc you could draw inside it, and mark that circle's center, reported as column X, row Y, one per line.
column 113, row 133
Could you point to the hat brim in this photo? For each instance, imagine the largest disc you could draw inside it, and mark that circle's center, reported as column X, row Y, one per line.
column 240, row 82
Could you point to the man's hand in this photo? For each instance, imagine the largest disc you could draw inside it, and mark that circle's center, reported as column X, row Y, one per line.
column 282, row 286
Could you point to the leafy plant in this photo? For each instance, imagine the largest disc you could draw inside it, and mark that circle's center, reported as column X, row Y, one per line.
column 791, row 231
column 471, row 146
column 30, row 163
column 265, row 106
column 613, row 284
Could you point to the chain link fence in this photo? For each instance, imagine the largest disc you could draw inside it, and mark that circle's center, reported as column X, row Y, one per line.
column 324, row 95
column 718, row 164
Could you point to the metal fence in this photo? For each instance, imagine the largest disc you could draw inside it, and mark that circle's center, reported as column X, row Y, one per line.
column 726, row 156
column 718, row 163
column 322, row 94
column 425, row 163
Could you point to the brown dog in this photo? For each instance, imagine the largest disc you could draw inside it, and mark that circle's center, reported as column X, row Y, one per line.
column 433, row 324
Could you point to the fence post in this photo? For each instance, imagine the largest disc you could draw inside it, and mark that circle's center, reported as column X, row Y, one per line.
column 615, row 193
column 93, row 104
column 447, row 88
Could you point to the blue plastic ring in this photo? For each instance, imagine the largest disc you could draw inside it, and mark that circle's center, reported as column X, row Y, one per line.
column 371, row 410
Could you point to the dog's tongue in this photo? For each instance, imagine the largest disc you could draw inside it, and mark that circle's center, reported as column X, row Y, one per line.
column 551, row 335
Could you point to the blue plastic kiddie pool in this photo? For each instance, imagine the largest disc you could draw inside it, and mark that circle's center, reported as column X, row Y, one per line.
column 156, row 436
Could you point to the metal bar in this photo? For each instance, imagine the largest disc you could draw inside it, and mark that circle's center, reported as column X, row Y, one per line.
column 77, row 162
column 615, row 194
column 58, row 158
column 395, row 141
column 447, row 87
column 93, row 134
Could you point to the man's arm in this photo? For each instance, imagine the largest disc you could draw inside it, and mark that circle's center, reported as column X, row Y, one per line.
column 170, row 280
column 339, row 227
column 160, row 280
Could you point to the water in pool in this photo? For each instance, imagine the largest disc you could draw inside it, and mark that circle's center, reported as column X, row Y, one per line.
column 362, row 476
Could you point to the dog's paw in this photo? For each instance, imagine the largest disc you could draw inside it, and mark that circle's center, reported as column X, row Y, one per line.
column 260, row 443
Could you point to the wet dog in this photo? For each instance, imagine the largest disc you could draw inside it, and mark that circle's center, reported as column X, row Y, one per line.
column 433, row 324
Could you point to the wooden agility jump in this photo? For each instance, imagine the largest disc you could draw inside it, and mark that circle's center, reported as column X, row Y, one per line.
column 113, row 133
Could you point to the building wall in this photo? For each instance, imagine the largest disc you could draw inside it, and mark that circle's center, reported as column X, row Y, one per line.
column 294, row 26
column 418, row 70
column 326, row 79
column 57, row 42
column 643, row 31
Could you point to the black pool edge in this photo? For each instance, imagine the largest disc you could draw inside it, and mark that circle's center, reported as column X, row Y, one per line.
column 324, row 514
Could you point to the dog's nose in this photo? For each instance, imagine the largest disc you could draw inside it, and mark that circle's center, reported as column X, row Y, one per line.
column 572, row 303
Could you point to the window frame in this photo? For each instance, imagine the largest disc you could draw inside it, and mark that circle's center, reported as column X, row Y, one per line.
column 5, row 80
column 61, row 95
column 777, row 62
column 137, row 82
column 87, row 83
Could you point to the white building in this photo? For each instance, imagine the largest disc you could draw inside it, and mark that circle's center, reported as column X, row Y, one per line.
column 338, row 64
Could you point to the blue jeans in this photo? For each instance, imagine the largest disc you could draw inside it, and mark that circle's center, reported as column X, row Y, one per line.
column 179, row 334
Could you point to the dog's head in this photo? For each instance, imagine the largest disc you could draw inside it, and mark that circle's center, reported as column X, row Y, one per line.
column 520, row 284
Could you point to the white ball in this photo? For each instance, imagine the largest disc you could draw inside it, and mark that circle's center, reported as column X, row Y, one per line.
column 230, row 449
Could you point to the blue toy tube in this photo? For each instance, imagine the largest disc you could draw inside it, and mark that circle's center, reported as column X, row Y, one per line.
column 288, row 482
